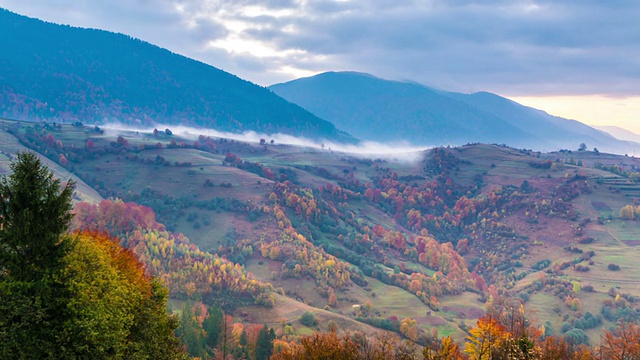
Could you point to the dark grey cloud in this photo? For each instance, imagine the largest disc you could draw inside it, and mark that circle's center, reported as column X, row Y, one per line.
column 508, row 46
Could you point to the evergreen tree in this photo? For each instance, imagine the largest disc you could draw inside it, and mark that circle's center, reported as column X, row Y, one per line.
column 242, row 352
column 190, row 332
column 264, row 343
column 213, row 326
column 35, row 211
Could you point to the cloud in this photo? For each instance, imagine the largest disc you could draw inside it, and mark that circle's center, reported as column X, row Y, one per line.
column 516, row 47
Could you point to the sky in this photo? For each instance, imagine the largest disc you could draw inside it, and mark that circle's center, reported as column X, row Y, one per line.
column 575, row 59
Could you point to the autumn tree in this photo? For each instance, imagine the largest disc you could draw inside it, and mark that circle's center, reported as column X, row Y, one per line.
column 554, row 347
column 115, row 310
column 326, row 346
column 483, row 339
column 622, row 343
column 627, row 212
column 446, row 349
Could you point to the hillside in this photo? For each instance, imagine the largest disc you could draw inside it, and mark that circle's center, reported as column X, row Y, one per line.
column 437, row 241
column 65, row 74
column 375, row 109
column 10, row 146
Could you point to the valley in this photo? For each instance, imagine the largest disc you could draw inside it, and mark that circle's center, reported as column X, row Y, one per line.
column 365, row 243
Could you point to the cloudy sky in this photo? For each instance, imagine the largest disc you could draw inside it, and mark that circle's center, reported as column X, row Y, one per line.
column 577, row 59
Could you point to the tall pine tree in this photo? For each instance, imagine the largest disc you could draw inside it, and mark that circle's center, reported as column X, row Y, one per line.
column 35, row 211
column 213, row 326
column 264, row 343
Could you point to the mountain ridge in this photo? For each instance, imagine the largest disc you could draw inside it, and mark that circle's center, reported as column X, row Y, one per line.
column 428, row 116
column 619, row 133
column 352, row 90
column 63, row 73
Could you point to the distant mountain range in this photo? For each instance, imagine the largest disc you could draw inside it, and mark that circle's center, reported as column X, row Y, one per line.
column 376, row 109
column 620, row 133
column 62, row 73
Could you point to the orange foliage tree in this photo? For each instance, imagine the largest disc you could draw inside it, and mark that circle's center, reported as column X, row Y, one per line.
column 622, row 343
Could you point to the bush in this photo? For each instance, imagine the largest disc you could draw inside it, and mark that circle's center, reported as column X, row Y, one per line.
column 613, row 267
column 308, row 319
column 541, row 264
column 608, row 313
column 582, row 268
column 587, row 240
column 577, row 336
column 565, row 327
column 588, row 321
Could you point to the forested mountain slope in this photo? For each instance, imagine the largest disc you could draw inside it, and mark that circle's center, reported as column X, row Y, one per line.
column 61, row 73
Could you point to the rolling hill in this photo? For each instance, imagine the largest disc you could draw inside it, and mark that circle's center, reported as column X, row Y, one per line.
column 371, row 241
column 61, row 73
column 375, row 109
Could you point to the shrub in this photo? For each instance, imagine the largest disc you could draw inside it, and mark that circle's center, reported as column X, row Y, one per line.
column 577, row 336
column 608, row 312
column 582, row 268
column 308, row 319
column 541, row 264
column 587, row 240
column 613, row 267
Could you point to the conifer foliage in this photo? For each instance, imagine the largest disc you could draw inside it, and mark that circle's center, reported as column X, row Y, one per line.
column 35, row 212
column 34, row 216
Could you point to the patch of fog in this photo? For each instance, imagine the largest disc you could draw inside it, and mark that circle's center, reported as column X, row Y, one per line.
column 396, row 151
